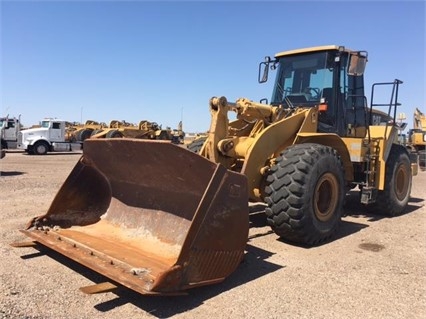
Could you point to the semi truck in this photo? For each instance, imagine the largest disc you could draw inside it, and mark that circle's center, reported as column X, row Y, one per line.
column 9, row 128
column 51, row 136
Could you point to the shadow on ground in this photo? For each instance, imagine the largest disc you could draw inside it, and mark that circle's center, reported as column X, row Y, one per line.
column 251, row 268
column 55, row 154
column 258, row 220
column 354, row 208
column 11, row 173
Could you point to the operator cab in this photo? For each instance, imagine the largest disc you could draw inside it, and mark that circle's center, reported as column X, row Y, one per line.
column 330, row 76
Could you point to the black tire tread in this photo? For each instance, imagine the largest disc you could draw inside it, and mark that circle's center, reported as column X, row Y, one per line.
column 114, row 134
column 288, row 198
column 84, row 134
column 386, row 202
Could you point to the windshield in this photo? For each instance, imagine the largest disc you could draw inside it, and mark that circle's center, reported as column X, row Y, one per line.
column 45, row 124
column 303, row 79
column 3, row 123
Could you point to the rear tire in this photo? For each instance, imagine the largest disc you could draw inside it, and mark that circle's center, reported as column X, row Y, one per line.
column 398, row 179
column 95, row 132
column 304, row 193
column 84, row 134
column 114, row 134
column 40, row 148
column 422, row 159
column 163, row 136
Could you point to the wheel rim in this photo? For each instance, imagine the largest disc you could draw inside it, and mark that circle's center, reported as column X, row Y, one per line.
column 326, row 197
column 401, row 182
column 41, row 149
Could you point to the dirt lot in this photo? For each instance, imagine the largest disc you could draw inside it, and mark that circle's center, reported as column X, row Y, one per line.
column 374, row 268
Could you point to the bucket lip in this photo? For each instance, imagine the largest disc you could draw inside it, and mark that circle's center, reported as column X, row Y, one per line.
column 118, row 272
column 137, row 279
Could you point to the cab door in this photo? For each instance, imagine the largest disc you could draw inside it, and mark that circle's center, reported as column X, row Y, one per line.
column 56, row 131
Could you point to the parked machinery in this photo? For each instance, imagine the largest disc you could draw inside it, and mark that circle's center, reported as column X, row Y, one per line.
column 144, row 130
column 80, row 132
column 417, row 137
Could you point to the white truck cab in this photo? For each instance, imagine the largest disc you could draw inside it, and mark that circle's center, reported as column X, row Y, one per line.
column 9, row 129
column 49, row 137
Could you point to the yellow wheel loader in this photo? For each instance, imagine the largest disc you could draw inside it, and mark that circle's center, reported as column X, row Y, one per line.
column 160, row 219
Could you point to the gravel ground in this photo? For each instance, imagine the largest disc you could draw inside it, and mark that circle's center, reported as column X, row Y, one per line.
column 374, row 268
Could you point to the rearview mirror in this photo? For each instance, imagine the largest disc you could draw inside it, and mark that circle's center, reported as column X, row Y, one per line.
column 357, row 63
column 264, row 70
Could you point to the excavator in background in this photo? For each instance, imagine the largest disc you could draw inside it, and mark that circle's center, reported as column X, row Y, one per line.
column 160, row 219
column 417, row 137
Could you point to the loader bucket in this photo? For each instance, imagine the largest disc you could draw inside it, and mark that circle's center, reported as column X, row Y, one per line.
column 149, row 215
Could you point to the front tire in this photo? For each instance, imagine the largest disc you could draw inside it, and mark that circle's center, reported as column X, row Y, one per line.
column 304, row 193
column 40, row 148
column 398, row 179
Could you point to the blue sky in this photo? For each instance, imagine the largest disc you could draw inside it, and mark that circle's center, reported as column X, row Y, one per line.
column 162, row 61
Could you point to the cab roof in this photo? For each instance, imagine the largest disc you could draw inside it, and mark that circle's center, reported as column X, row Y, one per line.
column 311, row 49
